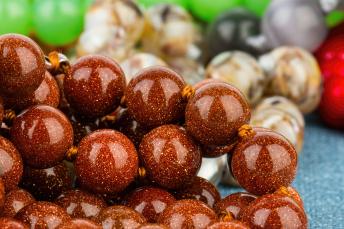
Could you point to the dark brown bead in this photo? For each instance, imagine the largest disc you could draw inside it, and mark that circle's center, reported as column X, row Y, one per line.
column 154, row 96
column 263, row 163
column 43, row 215
column 15, row 201
column 22, row 65
column 274, row 211
column 80, row 204
column 107, row 162
column 215, row 113
column 170, row 157
column 120, row 217
column 9, row 223
column 11, row 164
column 2, row 194
column 153, row 226
column 80, row 224
column 48, row 93
column 150, row 202
column 234, row 204
column 81, row 127
column 200, row 189
column 2, row 110
column 213, row 151
column 42, row 134
column 228, row 225
column 189, row 214
column 95, row 86
column 47, row 184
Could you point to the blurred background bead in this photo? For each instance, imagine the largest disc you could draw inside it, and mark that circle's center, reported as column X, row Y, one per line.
column 212, row 169
column 284, row 24
column 138, row 61
column 242, row 71
column 208, row 10
column 169, row 31
column 231, row 31
column 16, row 16
column 54, row 25
column 148, row 3
column 295, row 74
column 334, row 18
column 257, row 7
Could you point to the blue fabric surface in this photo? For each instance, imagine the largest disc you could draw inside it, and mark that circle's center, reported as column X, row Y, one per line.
column 320, row 177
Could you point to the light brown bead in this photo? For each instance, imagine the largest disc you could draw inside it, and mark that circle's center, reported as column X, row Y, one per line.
column 10, row 223
column 15, row 201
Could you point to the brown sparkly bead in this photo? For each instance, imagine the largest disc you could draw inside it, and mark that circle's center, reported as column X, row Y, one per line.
column 154, row 96
column 2, row 194
column 43, row 215
column 215, row 113
column 2, row 111
column 80, row 224
column 188, row 214
column 22, row 65
column 11, row 164
column 15, row 201
column 274, row 211
column 200, row 189
column 95, row 86
column 150, row 202
column 9, row 223
column 213, row 151
column 48, row 93
column 153, row 226
column 80, row 204
column 291, row 192
column 228, row 225
column 263, row 163
column 120, row 217
column 107, row 162
column 170, row 157
column 42, row 134
column 47, row 184
column 234, row 204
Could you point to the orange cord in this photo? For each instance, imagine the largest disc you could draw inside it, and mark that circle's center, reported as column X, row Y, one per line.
column 188, row 92
column 246, row 131
column 71, row 153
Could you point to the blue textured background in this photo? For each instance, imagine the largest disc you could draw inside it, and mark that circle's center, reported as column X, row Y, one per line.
column 320, row 177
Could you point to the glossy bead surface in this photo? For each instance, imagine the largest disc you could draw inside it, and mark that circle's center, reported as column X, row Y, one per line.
column 274, row 211
column 228, row 225
column 43, row 215
column 47, row 184
column 42, row 134
column 11, row 164
column 149, row 201
column 200, row 189
column 15, row 201
column 154, row 96
column 170, row 157
column 94, row 78
column 240, row 70
column 10, row 223
column 120, row 217
column 107, row 162
column 22, row 65
column 153, row 226
column 234, row 204
column 263, row 163
column 48, row 93
column 215, row 113
column 2, row 193
column 80, row 204
column 188, row 214
column 79, row 223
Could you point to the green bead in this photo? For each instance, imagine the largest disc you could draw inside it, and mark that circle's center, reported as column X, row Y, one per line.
column 207, row 10
column 334, row 18
column 15, row 16
column 58, row 22
column 148, row 3
column 257, row 7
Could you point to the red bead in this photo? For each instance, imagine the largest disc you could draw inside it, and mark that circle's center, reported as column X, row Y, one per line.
column 95, row 86
column 80, row 204
column 275, row 211
column 149, row 201
column 11, row 164
column 10, row 223
column 15, row 201
column 22, row 65
column 107, row 162
column 42, row 134
column 263, row 163
column 332, row 102
column 78, row 223
column 215, row 113
column 154, row 97
column 170, row 157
